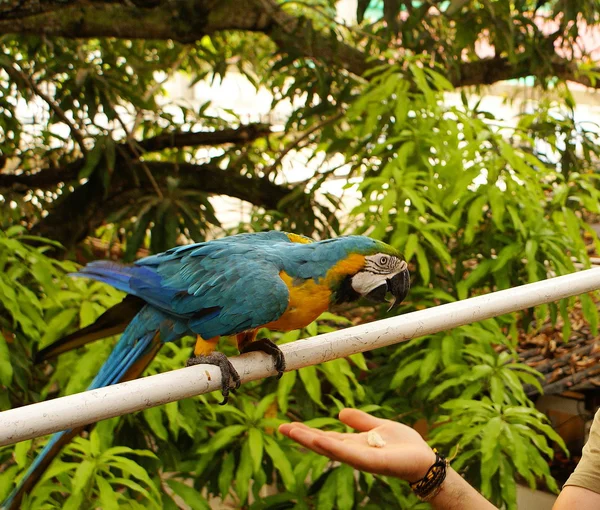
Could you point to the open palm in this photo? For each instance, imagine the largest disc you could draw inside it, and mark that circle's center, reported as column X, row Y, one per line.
column 405, row 455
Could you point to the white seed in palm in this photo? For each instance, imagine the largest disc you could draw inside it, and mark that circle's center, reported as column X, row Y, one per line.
column 375, row 440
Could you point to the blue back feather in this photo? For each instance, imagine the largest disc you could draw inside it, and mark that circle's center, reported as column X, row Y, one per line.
column 236, row 275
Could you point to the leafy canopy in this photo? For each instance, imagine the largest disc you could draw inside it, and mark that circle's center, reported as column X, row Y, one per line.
column 92, row 150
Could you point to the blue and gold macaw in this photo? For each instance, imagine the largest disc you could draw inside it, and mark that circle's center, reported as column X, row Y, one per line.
column 229, row 286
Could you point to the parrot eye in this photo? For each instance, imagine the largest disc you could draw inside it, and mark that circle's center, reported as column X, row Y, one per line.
column 383, row 260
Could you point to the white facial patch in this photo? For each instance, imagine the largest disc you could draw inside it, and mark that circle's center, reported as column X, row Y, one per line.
column 364, row 282
column 378, row 268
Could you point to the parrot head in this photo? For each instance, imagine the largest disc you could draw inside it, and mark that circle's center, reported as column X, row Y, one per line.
column 384, row 272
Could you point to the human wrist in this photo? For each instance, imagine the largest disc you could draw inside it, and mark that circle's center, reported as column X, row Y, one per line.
column 421, row 465
column 431, row 483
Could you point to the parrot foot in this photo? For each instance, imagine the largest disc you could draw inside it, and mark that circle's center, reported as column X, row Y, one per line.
column 265, row 345
column 228, row 372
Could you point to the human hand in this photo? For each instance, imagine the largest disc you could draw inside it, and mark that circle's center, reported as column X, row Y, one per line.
column 405, row 455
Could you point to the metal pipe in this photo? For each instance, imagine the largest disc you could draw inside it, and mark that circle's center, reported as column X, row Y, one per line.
column 91, row 406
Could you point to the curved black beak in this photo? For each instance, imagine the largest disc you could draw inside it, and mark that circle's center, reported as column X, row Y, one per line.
column 398, row 286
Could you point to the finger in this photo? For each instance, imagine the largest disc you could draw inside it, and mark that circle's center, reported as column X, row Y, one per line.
column 308, row 439
column 286, row 428
column 360, row 420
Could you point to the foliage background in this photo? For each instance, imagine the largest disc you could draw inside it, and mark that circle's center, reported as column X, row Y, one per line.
column 475, row 206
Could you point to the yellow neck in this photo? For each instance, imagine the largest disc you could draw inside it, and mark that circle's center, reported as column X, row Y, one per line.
column 309, row 299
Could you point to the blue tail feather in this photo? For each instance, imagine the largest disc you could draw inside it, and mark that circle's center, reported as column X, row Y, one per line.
column 136, row 340
column 141, row 281
column 35, row 465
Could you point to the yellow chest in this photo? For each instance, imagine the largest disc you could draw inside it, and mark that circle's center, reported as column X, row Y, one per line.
column 308, row 300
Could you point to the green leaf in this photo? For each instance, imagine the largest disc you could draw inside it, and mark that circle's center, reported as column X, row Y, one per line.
column 133, row 485
column 83, row 475
column 497, row 390
column 490, row 456
column 404, row 373
column 429, row 364
column 281, row 463
column 335, row 374
column 326, row 496
column 222, row 438
column 423, row 265
column 6, row 369
column 410, row 247
column 310, row 379
column 108, row 497
column 359, row 360
column 130, row 467
column 474, row 218
column 74, row 501
column 154, row 418
column 92, row 159
column 497, row 205
column 58, row 325
column 345, row 487
column 189, row 495
column 531, row 247
column 284, row 388
column 590, row 312
column 244, row 472
column 226, row 475
column 507, row 254
column 87, row 314
column 7, row 479
column 255, row 441
column 508, row 483
column 480, row 272
column 20, row 452
column 311, row 329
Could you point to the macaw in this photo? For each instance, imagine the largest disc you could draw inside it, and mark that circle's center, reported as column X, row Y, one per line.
column 229, row 286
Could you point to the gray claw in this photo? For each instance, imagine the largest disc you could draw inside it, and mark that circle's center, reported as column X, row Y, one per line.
column 267, row 346
column 228, row 372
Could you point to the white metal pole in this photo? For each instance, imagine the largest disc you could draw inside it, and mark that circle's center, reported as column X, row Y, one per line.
column 91, row 406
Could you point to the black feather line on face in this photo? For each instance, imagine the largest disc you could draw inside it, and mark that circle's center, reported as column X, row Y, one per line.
column 345, row 292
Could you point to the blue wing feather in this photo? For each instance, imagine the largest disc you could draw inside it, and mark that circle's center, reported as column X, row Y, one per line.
column 217, row 288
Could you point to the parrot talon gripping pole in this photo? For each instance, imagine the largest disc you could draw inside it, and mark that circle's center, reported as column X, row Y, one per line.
column 228, row 373
column 268, row 347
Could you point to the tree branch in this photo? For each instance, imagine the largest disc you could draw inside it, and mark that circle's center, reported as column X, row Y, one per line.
column 50, row 177
column 294, row 34
column 44, row 179
column 92, row 206
column 240, row 135
column 494, row 69
column 187, row 21
column 211, row 179
column 19, row 75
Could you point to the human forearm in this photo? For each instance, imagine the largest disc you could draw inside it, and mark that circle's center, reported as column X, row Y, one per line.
column 577, row 497
column 457, row 494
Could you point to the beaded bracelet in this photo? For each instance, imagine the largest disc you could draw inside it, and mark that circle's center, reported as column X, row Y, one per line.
column 428, row 487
